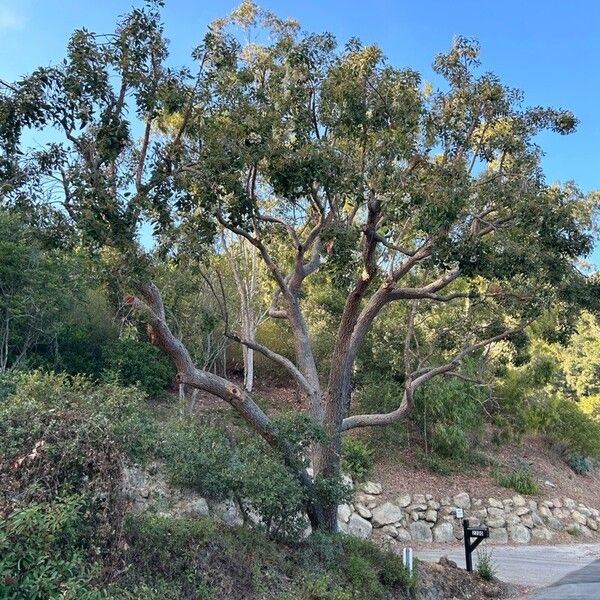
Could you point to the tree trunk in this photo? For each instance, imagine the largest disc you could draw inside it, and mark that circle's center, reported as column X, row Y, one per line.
column 249, row 333
column 327, row 460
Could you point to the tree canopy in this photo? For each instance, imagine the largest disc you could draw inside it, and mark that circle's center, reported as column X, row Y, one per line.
column 336, row 166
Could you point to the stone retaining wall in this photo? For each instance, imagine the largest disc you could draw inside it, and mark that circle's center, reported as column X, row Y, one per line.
column 424, row 518
column 405, row 518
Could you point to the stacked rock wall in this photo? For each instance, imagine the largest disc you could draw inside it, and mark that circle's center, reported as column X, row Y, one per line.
column 420, row 518
column 425, row 518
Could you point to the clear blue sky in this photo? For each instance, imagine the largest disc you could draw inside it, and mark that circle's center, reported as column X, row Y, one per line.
column 550, row 49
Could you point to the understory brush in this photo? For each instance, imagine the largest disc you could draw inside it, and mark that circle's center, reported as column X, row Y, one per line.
column 520, row 480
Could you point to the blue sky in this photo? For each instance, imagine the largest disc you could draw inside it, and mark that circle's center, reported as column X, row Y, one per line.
column 550, row 49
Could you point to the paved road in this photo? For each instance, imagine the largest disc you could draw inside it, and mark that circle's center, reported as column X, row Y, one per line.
column 583, row 584
column 569, row 569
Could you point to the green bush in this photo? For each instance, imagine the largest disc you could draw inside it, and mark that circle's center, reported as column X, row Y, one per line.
column 580, row 464
column 485, row 565
column 247, row 470
column 138, row 363
column 450, row 441
column 44, row 552
column 449, row 411
column 198, row 457
column 357, row 458
column 563, row 422
column 519, row 480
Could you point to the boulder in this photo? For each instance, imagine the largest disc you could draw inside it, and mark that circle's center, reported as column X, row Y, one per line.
column 462, row 500
column 197, row 507
column 527, row 520
column 592, row 524
column 363, row 511
column 499, row 535
column 578, row 517
column 403, row 535
column 568, row 503
column 343, row 513
column 520, row 534
column 518, row 500
column 419, row 499
column 443, row 533
column 522, row 510
column 404, row 500
column 541, row 533
column 359, row 527
column 431, row 516
column 512, row 519
column 386, row 514
column 389, row 530
column 537, row 520
column 554, row 523
column 370, row 487
column 227, row 512
column 420, row 532
column 495, row 523
column 495, row 503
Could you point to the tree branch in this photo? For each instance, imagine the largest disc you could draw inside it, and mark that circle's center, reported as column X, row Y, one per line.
column 286, row 363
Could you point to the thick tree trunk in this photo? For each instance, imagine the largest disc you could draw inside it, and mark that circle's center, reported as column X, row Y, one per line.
column 327, row 457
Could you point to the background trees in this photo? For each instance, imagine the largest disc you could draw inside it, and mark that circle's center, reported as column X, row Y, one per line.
column 333, row 165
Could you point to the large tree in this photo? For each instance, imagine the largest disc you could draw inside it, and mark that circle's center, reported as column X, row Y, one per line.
column 323, row 159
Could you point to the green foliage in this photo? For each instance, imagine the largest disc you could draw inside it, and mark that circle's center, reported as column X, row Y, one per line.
column 355, row 567
column 205, row 459
column 562, row 421
column 580, row 464
column 357, row 458
column 519, row 479
column 44, row 406
column 377, row 396
column 198, row 458
column 485, row 565
column 44, row 552
column 183, row 556
column 39, row 287
column 139, row 363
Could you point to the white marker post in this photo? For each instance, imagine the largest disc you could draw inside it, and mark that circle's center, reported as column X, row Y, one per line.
column 407, row 559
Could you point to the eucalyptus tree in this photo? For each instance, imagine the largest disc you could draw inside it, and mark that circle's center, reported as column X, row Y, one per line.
column 321, row 158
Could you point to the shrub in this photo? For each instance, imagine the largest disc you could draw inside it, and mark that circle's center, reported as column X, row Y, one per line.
column 357, row 458
column 449, row 412
column 519, row 480
column 264, row 486
column 450, row 441
column 254, row 475
column 485, row 565
column 138, row 363
column 574, row 530
column 580, row 464
column 44, row 552
column 198, row 457
column 562, row 420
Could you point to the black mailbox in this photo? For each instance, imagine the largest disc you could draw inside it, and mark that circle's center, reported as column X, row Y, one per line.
column 473, row 537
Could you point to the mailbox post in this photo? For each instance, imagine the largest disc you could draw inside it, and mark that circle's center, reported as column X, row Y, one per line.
column 473, row 537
